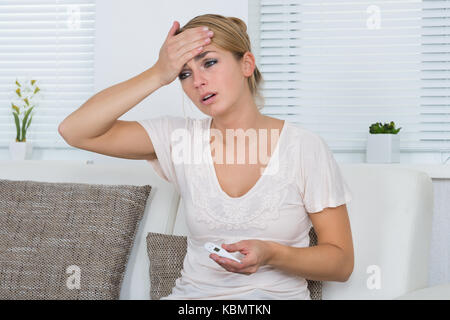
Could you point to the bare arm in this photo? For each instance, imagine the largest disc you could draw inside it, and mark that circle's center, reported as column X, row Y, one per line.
column 98, row 114
column 331, row 260
column 95, row 125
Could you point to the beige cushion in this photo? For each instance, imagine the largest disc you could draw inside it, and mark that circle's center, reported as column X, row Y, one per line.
column 66, row 240
column 167, row 252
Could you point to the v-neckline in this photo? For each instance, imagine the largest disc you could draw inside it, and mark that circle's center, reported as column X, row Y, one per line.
column 213, row 169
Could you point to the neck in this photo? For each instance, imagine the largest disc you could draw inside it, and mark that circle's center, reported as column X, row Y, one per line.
column 240, row 118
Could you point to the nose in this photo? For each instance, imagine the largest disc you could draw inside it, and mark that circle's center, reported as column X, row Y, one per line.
column 199, row 78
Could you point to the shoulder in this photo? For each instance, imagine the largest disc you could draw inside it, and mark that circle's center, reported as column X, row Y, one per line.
column 188, row 122
column 308, row 140
column 175, row 121
column 168, row 122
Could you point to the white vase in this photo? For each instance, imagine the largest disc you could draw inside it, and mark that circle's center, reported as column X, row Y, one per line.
column 383, row 148
column 20, row 150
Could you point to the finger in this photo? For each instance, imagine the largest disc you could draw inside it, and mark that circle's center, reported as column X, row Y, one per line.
column 233, row 247
column 190, row 36
column 248, row 261
column 195, row 47
column 229, row 263
column 220, row 261
column 173, row 29
column 237, row 269
column 214, row 256
column 190, row 55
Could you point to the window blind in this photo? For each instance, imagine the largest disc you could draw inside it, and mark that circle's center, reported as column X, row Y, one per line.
column 51, row 41
column 335, row 67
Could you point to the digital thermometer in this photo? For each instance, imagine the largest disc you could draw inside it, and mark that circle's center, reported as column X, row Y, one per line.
column 211, row 247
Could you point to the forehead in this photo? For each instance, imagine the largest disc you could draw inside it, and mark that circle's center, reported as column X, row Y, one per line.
column 204, row 53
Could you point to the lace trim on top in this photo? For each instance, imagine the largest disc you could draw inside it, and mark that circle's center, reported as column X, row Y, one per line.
column 252, row 210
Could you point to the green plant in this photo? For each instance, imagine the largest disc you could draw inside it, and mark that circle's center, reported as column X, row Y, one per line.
column 384, row 128
column 23, row 107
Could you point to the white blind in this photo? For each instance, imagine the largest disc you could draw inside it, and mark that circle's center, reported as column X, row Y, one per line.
column 51, row 41
column 335, row 67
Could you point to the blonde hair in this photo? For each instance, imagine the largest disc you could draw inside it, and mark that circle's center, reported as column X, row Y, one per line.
column 230, row 34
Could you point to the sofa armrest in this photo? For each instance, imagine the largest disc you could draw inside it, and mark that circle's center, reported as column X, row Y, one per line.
column 438, row 292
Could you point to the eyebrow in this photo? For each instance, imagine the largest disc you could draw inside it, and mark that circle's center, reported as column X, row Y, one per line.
column 198, row 57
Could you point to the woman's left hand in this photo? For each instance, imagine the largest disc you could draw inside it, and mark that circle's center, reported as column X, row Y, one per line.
column 257, row 253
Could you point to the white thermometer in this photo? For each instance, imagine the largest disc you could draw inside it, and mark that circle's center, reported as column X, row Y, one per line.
column 211, row 247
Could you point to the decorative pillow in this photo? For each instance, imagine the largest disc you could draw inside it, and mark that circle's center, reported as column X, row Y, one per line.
column 166, row 253
column 314, row 287
column 69, row 241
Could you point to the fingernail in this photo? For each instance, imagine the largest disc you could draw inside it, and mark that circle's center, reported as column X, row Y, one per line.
column 205, row 28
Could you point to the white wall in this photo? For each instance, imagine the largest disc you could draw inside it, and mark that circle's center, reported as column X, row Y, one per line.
column 129, row 35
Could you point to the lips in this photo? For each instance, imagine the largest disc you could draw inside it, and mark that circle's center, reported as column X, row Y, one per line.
column 205, row 95
column 209, row 100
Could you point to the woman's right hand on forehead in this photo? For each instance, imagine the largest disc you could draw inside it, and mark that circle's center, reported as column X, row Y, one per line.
column 178, row 50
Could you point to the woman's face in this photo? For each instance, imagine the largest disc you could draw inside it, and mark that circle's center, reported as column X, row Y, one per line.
column 216, row 71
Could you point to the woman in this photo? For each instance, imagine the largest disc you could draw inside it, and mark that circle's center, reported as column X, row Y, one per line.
column 261, row 210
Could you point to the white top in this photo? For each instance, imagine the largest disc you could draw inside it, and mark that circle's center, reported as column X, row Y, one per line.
column 301, row 177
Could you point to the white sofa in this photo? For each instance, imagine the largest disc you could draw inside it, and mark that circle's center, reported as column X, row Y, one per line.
column 390, row 216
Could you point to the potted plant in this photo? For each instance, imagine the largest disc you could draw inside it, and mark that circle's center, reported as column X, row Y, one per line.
column 383, row 143
column 22, row 108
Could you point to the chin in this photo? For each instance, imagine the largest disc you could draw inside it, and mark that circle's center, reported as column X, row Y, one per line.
column 211, row 110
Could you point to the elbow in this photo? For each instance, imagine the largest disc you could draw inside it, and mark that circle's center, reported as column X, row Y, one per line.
column 347, row 271
column 62, row 132
column 345, row 276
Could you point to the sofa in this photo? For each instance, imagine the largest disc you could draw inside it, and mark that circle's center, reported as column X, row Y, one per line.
column 390, row 216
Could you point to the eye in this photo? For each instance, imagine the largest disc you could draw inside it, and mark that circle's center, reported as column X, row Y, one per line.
column 207, row 64
column 213, row 61
column 182, row 76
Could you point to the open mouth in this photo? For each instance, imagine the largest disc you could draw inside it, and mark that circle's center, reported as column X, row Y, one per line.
column 209, row 99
